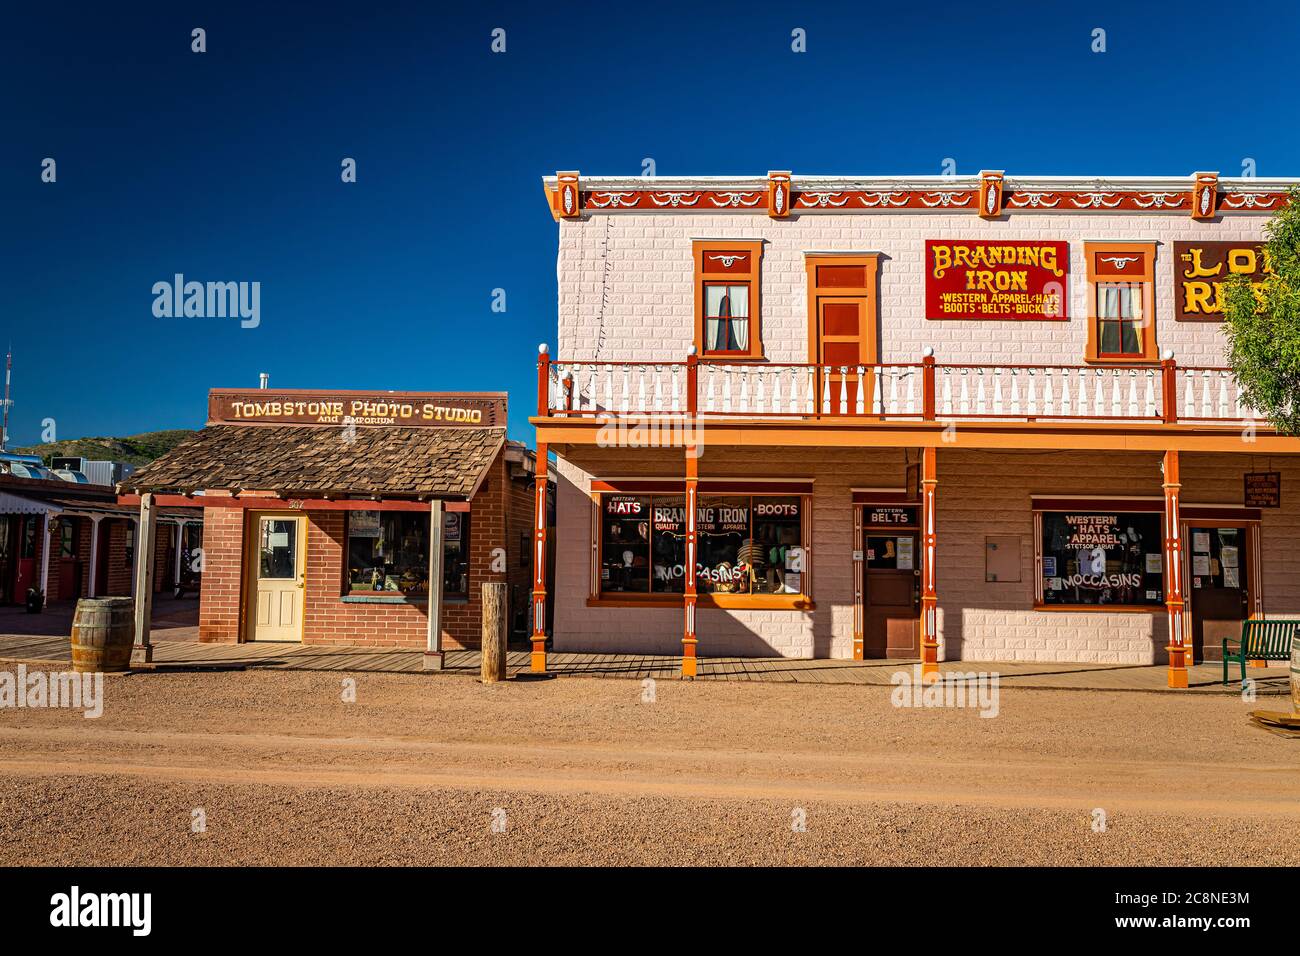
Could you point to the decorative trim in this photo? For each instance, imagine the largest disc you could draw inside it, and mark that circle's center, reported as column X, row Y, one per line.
column 1202, row 194
column 990, row 193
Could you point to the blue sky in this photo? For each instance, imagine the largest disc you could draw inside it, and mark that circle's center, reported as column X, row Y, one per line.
column 225, row 165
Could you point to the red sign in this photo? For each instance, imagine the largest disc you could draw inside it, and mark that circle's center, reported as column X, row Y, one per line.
column 987, row 279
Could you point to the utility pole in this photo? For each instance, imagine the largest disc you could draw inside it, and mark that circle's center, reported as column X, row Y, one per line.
column 4, row 430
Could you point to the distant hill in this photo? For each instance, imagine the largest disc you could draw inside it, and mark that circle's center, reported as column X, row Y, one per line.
column 134, row 449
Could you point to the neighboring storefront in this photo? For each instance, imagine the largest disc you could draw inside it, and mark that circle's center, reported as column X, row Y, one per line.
column 358, row 518
column 71, row 540
column 980, row 418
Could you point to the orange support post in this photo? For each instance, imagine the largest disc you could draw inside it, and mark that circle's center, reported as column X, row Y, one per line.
column 689, row 641
column 538, row 663
column 929, row 547
column 927, row 388
column 543, row 381
column 1173, row 569
column 1169, row 388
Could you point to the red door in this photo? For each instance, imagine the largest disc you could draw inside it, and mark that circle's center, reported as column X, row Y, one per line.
column 25, row 576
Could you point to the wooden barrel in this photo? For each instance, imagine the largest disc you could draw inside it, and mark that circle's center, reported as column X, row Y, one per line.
column 102, row 633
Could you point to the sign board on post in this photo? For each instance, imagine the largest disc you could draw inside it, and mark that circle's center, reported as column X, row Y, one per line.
column 1200, row 269
column 1263, row 489
column 988, row 279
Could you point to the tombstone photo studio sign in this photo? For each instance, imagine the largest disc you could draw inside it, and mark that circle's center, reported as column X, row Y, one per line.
column 982, row 279
column 402, row 409
column 1200, row 269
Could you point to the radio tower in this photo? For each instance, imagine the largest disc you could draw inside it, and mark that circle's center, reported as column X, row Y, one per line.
column 4, row 430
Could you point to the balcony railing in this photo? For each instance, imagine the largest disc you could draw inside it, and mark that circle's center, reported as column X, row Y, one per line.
column 917, row 391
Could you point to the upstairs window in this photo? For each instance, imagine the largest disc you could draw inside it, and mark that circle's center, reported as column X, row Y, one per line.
column 1121, row 302
column 727, row 299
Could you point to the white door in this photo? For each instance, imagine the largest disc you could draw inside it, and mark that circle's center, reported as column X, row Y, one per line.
column 279, row 578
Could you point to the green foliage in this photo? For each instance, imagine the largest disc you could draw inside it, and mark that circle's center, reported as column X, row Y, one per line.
column 134, row 449
column 1263, row 324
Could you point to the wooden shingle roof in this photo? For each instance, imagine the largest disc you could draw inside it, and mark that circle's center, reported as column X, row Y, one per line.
column 395, row 461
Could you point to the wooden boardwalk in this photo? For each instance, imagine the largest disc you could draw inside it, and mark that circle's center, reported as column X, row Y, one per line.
column 189, row 655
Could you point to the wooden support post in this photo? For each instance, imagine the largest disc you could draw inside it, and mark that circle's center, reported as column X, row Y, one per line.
column 1173, row 568
column 493, row 664
column 927, row 386
column 434, row 659
column 689, row 642
column 543, row 381
column 537, row 663
column 48, row 540
column 929, row 553
column 692, row 385
column 145, row 545
column 95, row 558
column 1169, row 388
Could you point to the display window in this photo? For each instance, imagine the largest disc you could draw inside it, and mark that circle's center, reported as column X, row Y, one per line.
column 746, row 544
column 388, row 554
column 1101, row 558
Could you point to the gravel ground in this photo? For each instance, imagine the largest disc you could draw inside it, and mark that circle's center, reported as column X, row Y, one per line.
column 286, row 772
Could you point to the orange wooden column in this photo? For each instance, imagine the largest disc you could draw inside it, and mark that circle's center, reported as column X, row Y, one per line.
column 929, row 547
column 538, row 663
column 688, row 625
column 1173, row 569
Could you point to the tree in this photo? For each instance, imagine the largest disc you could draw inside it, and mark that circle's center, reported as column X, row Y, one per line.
column 1262, row 321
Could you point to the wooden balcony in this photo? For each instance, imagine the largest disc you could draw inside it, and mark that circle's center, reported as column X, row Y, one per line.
column 923, row 391
column 927, row 403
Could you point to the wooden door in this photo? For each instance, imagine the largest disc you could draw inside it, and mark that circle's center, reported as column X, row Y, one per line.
column 277, row 566
column 1220, row 595
column 891, row 594
column 842, row 329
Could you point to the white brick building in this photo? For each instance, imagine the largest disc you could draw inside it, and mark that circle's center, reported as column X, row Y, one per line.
column 862, row 456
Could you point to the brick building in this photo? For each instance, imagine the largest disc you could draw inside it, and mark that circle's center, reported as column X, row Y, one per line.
column 328, row 514
column 980, row 417
column 75, row 540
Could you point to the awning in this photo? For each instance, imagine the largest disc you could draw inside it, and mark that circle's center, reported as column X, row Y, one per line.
column 307, row 460
column 17, row 505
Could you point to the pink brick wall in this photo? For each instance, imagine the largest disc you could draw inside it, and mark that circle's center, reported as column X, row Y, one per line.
column 627, row 278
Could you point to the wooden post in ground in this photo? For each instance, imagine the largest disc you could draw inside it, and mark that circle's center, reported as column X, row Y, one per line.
column 494, row 631
column 1173, row 572
column 537, row 660
column 433, row 656
column 145, row 545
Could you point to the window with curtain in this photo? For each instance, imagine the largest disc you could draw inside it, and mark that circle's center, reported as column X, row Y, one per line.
column 1121, row 302
column 728, row 291
column 726, row 317
column 1119, row 319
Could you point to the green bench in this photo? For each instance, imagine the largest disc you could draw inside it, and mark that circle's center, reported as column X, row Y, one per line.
column 1260, row 641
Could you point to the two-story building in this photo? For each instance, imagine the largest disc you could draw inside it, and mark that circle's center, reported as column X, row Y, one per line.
column 981, row 418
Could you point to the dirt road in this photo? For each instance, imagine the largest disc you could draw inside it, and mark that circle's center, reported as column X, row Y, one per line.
column 280, row 768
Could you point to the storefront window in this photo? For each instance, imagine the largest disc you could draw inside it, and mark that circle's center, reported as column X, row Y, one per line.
column 745, row 544
column 1095, row 558
column 388, row 553
column 625, row 544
